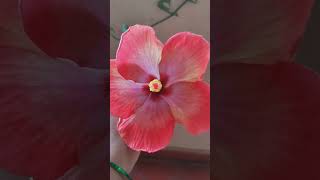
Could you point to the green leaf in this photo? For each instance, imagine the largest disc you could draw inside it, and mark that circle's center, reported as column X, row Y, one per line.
column 124, row 27
column 164, row 5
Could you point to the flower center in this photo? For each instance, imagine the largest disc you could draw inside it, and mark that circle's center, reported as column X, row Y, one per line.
column 155, row 85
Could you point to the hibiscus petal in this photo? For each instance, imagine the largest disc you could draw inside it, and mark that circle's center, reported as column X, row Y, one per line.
column 125, row 95
column 265, row 31
column 266, row 122
column 52, row 113
column 133, row 72
column 185, row 57
column 139, row 45
column 190, row 105
column 150, row 129
column 72, row 29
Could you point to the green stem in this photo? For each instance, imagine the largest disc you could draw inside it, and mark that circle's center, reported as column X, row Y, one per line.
column 174, row 13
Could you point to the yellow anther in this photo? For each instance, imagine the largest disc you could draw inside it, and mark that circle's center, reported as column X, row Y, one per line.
column 155, row 85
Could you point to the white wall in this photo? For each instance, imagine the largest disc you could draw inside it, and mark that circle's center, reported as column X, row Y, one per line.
column 192, row 17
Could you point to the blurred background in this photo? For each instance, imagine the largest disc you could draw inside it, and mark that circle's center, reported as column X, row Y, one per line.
column 308, row 53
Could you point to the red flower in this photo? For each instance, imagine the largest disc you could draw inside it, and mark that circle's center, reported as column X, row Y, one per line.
column 266, row 114
column 53, row 110
column 153, row 86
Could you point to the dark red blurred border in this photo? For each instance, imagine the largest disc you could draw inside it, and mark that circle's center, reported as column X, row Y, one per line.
column 108, row 85
column 308, row 52
column 212, row 60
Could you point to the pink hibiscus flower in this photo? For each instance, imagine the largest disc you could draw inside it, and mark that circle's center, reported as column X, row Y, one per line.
column 266, row 114
column 53, row 111
column 153, row 86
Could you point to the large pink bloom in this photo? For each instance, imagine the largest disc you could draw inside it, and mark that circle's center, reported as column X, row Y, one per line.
column 153, row 86
column 266, row 107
